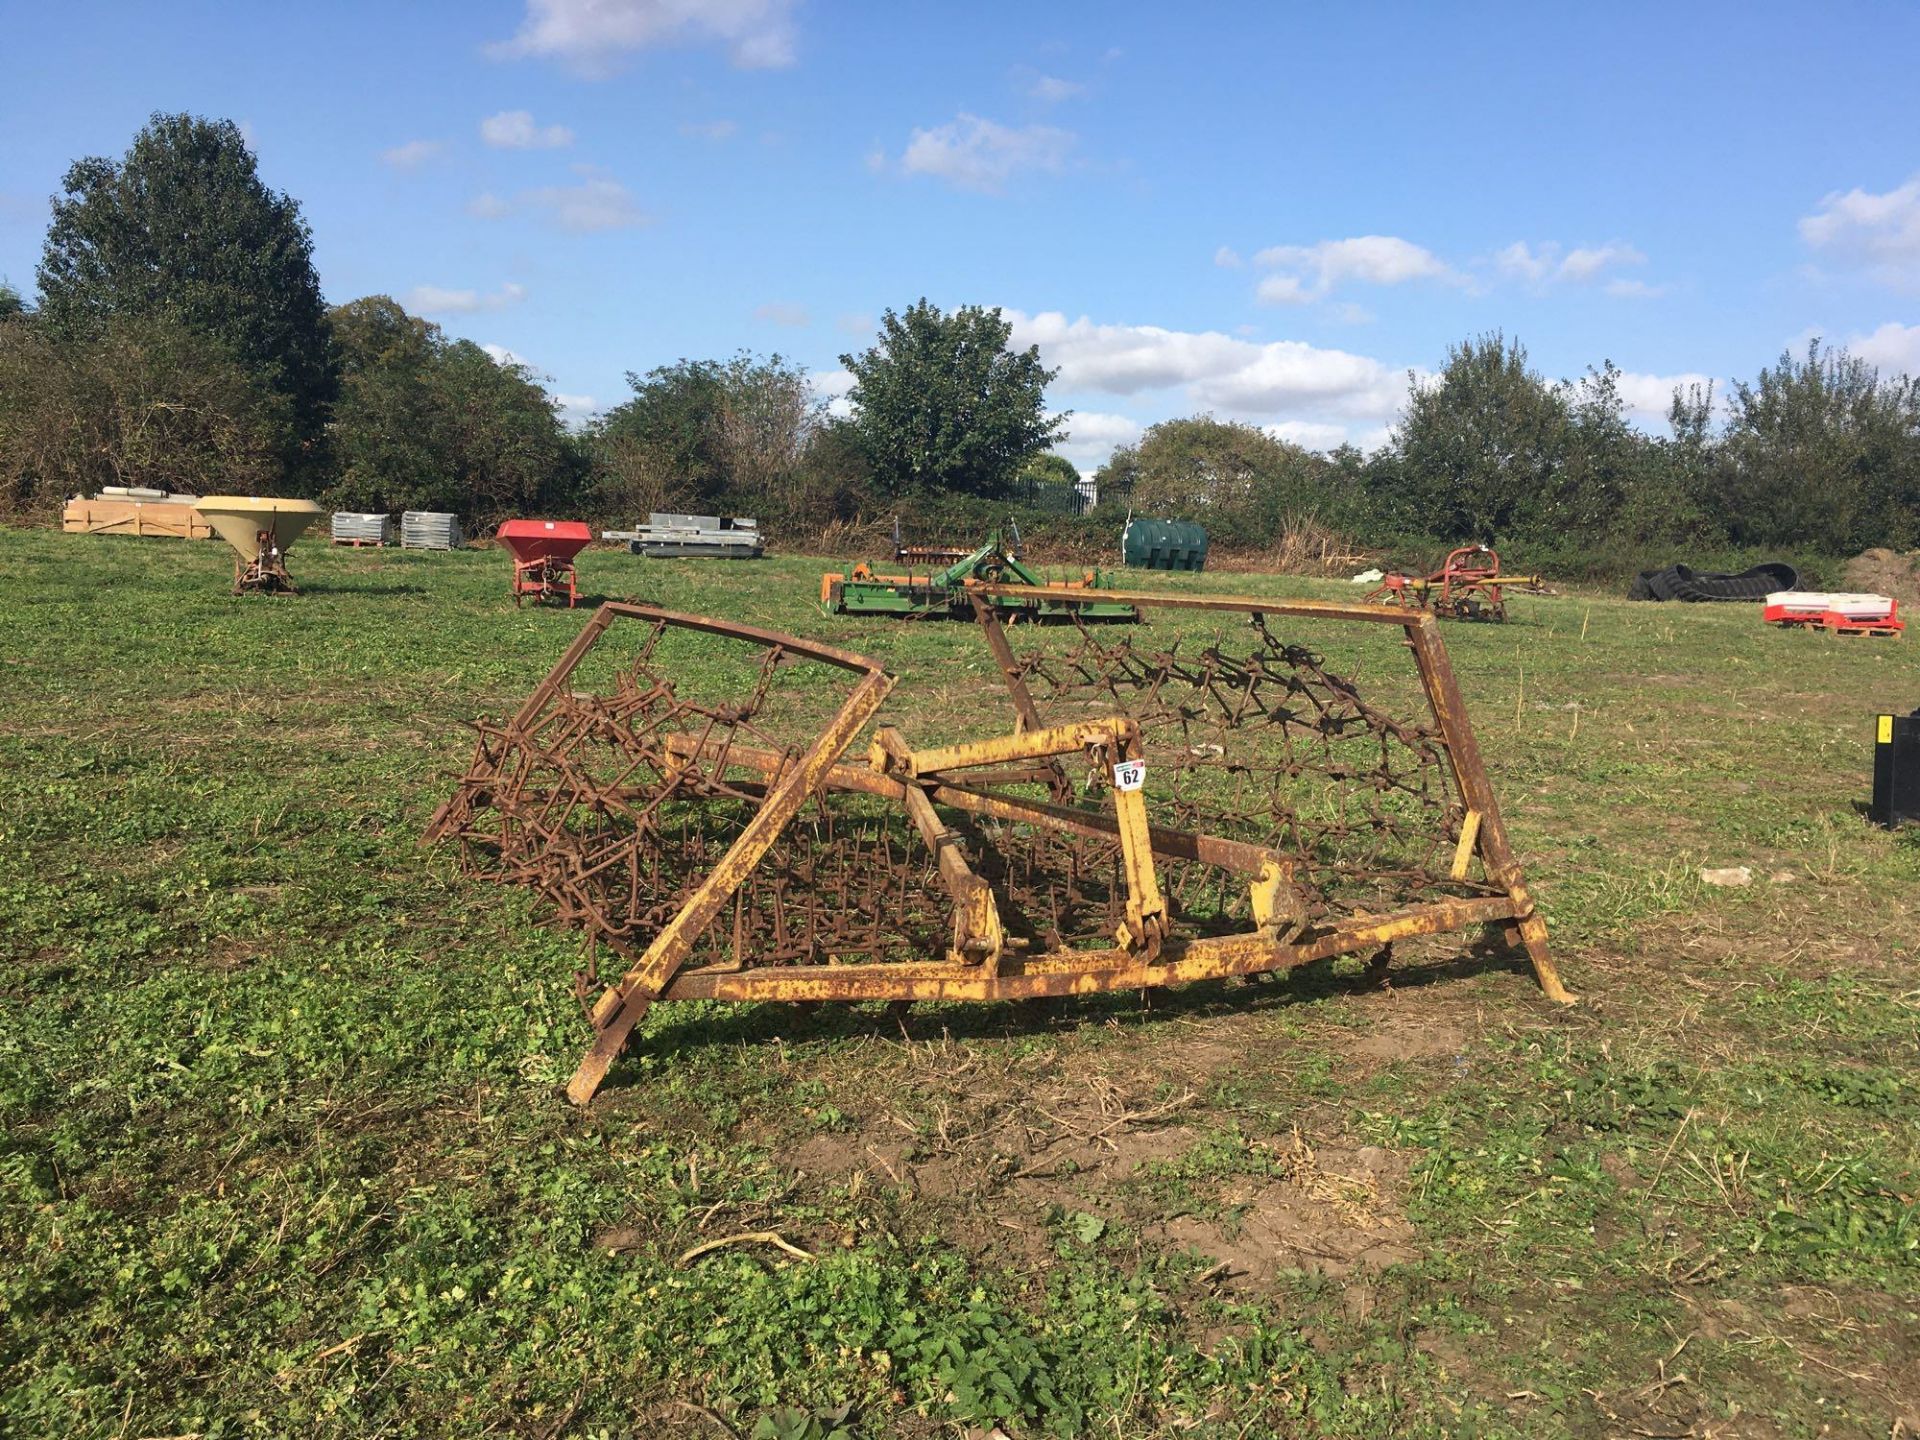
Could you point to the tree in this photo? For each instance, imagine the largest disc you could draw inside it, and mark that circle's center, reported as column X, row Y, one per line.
column 726, row 435
column 1603, row 484
column 504, row 442
column 1823, row 452
column 769, row 414
column 1236, row 478
column 943, row 405
column 376, row 333
column 669, row 433
column 145, row 401
column 1479, row 448
column 183, row 229
column 10, row 302
column 427, row 424
column 1052, row 468
column 388, row 439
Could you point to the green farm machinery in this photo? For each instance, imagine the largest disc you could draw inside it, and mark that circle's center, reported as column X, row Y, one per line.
column 932, row 594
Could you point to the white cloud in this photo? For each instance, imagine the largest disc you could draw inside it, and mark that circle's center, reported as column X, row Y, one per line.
column 1550, row 265
column 1309, row 434
column 594, row 36
column 1285, row 290
column 1093, row 435
column 1279, row 379
column 714, row 130
column 515, row 130
column 1304, row 273
column 1228, row 258
column 1519, row 261
column 438, row 300
column 832, row 386
column 501, row 355
column 1052, row 89
column 576, row 409
column 782, row 312
column 1893, row 348
column 597, row 202
column 1647, row 398
column 1881, row 232
column 1583, row 263
column 982, row 155
column 413, row 154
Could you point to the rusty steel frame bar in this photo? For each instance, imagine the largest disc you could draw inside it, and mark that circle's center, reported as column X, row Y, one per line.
column 1239, row 856
column 983, row 963
column 1155, row 599
column 1476, row 789
column 622, row 1004
column 978, row 936
column 1083, row 972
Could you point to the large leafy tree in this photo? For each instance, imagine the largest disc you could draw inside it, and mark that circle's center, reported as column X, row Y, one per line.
column 729, row 435
column 145, row 401
column 944, row 406
column 388, row 440
column 1479, row 446
column 507, row 447
column 424, row 423
column 1235, row 477
column 1823, row 450
column 182, row 229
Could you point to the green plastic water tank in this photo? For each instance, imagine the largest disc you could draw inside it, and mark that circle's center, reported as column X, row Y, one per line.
column 1164, row 545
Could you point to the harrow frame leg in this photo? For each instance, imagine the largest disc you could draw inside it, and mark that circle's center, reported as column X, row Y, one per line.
column 1476, row 790
column 620, row 1007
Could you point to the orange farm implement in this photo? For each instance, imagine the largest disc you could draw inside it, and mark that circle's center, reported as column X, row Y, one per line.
column 1468, row 586
column 727, row 815
column 543, row 552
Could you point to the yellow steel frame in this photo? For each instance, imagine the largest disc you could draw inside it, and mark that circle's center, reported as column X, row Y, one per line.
column 982, row 961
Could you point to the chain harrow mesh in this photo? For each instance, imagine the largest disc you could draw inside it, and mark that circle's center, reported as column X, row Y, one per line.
column 1263, row 743
column 613, row 807
column 728, row 813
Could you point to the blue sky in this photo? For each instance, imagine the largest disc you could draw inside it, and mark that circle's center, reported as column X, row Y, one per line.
column 1270, row 212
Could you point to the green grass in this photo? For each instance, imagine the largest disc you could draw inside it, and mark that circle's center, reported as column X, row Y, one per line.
column 281, row 1149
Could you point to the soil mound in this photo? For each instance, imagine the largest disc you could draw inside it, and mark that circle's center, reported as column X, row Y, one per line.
column 1885, row 572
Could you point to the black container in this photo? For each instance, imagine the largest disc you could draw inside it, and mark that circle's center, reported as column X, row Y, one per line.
column 1896, row 769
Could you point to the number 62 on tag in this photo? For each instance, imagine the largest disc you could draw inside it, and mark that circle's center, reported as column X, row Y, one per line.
column 1130, row 775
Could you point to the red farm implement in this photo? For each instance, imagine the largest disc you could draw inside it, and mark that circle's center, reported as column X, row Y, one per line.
column 543, row 552
column 1467, row 586
column 1877, row 615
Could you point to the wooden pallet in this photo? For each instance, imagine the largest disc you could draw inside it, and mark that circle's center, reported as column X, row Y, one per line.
column 1885, row 629
column 145, row 518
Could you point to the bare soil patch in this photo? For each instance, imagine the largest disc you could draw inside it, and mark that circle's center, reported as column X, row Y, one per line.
column 1334, row 1211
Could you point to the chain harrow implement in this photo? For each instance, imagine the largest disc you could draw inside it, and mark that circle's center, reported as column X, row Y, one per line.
column 1163, row 811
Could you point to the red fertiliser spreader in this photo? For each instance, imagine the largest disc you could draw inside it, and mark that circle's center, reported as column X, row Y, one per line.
column 543, row 552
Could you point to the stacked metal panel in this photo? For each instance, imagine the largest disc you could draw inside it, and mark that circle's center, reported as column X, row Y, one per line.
column 671, row 535
column 357, row 528
column 429, row 530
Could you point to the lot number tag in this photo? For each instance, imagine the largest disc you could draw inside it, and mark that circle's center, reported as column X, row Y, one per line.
column 1130, row 775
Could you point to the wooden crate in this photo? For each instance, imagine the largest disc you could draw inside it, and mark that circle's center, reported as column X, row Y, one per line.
column 134, row 517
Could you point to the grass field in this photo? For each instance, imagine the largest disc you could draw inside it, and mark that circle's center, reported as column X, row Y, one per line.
column 282, row 1149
